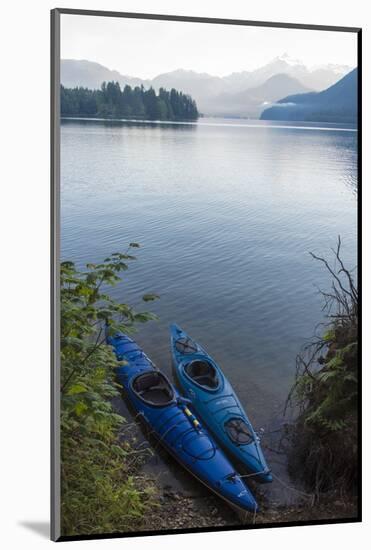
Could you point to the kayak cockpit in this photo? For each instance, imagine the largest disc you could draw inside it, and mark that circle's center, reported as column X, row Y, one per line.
column 203, row 373
column 153, row 388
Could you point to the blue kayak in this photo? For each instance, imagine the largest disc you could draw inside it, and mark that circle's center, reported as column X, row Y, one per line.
column 215, row 402
column 173, row 423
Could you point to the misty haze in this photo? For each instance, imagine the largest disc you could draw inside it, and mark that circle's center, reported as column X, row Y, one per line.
column 245, row 94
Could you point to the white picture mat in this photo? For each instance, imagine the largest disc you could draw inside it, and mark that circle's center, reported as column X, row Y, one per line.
column 25, row 278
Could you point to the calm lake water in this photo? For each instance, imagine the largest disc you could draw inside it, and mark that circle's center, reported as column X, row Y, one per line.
column 226, row 213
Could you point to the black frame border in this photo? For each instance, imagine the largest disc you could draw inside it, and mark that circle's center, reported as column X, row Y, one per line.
column 55, row 256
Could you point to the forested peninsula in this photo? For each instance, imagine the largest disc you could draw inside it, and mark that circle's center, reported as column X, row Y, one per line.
column 138, row 103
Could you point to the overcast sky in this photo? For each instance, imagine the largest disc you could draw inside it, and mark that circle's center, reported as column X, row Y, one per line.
column 146, row 48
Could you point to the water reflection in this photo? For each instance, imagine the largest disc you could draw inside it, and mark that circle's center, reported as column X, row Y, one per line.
column 119, row 123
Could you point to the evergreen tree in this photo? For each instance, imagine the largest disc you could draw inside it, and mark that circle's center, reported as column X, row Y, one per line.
column 138, row 109
column 126, row 102
column 112, row 102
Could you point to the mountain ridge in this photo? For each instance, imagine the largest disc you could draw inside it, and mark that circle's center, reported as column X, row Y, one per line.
column 251, row 102
column 337, row 103
column 210, row 92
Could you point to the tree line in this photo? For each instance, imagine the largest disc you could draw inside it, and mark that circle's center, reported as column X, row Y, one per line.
column 113, row 102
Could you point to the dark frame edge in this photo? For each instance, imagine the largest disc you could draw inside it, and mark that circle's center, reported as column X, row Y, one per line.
column 194, row 19
column 196, row 530
column 55, row 256
column 359, row 260
column 54, row 283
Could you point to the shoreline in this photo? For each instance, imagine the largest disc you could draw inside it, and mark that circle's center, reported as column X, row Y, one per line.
column 191, row 506
column 209, row 512
column 262, row 124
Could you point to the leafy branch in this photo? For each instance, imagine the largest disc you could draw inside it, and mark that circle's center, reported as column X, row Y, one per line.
column 99, row 489
column 85, row 308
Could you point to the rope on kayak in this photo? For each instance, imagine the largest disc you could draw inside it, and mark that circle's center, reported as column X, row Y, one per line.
column 307, row 495
column 289, row 487
column 255, row 510
column 246, row 515
column 254, row 474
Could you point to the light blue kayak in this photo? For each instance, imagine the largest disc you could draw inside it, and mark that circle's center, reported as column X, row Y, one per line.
column 215, row 402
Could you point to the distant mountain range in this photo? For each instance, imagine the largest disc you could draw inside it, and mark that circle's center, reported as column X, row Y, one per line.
column 243, row 94
column 251, row 102
column 76, row 73
column 338, row 103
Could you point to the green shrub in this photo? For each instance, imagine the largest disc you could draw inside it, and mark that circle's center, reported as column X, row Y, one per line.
column 325, row 449
column 101, row 490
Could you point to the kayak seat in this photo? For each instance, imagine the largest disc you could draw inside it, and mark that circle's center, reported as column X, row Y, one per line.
column 153, row 388
column 203, row 372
